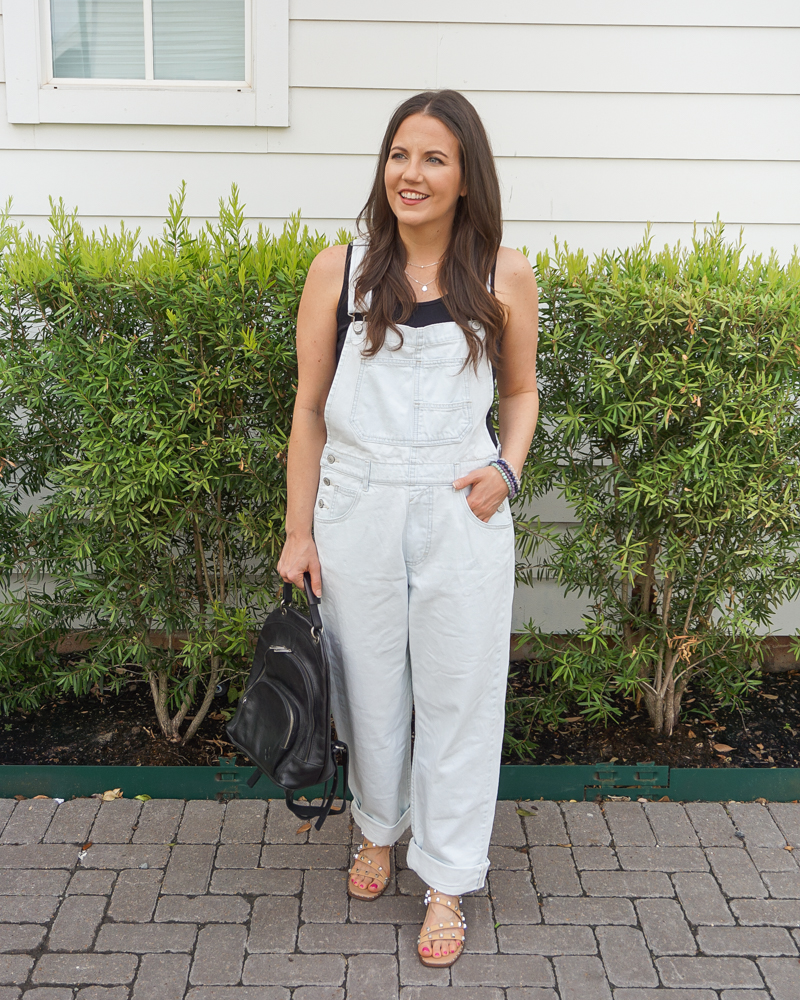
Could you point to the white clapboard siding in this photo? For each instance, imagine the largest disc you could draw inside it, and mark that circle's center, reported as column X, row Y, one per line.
column 737, row 13
column 556, row 125
column 552, row 57
column 604, row 115
column 137, row 182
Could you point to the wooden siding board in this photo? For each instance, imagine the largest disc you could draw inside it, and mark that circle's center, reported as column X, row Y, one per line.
column 556, row 190
column 578, row 126
column 661, row 190
column 387, row 55
column 591, row 58
column 575, row 125
column 741, row 13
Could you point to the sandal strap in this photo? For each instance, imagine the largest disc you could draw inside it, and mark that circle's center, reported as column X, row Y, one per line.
column 435, row 930
column 366, row 866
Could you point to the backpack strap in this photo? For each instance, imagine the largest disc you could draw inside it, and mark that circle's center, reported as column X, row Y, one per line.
column 356, row 260
column 320, row 813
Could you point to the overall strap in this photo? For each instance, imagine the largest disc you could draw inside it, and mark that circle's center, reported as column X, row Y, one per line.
column 356, row 259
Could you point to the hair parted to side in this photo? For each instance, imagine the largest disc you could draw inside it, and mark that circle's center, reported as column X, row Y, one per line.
column 477, row 230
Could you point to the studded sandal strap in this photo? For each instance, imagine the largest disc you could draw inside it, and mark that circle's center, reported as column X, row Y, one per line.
column 365, row 866
column 434, row 930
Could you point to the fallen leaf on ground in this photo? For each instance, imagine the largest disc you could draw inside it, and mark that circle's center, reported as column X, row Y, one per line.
column 723, row 747
column 86, row 846
column 788, row 847
column 772, row 697
column 143, row 798
column 524, row 812
column 20, row 798
column 41, row 796
column 304, row 828
column 664, row 798
column 574, row 718
column 111, row 794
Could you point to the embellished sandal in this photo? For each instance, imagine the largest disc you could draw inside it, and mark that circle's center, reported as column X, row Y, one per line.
column 366, row 867
column 434, row 932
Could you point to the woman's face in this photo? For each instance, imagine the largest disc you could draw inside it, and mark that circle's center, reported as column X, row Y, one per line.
column 423, row 173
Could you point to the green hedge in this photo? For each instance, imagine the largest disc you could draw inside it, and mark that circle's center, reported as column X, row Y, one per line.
column 670, row 386
column 148, row 391
column 146, row 397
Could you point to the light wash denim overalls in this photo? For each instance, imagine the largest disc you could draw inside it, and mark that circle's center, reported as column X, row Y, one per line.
column 416, row 594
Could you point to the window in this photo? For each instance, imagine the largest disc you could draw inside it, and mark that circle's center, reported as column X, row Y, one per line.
column 149, row 39
column 214, row 62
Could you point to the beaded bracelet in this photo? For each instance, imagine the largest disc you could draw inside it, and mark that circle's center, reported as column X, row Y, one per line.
column 512, row 489
column 511, row 473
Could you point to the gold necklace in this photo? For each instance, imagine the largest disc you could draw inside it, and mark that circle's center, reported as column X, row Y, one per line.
column 425, row 265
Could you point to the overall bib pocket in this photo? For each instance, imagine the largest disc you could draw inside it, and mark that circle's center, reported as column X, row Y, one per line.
column 406, row 401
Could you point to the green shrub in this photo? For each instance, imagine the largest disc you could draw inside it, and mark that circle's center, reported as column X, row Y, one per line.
column 148, row 391
column 145, row 404
column 670, row 384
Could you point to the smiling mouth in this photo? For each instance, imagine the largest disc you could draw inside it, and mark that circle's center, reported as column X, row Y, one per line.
column 413, row 196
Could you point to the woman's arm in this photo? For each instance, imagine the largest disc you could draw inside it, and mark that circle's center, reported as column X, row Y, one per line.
column 515, row 286
column 316, row 363
column 516, row 372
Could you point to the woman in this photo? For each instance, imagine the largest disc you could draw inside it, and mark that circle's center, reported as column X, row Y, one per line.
column 394, row 463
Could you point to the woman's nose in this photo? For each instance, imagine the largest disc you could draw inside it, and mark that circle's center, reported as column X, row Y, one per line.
column 412, row 171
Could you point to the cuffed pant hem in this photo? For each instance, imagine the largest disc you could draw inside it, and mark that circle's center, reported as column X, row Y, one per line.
column 378, row 833
column 453, row 881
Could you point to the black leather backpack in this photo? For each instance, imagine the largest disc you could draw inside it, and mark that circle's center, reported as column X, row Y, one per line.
column 283, row 721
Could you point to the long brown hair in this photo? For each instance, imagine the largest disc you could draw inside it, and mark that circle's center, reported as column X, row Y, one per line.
column 474, row 241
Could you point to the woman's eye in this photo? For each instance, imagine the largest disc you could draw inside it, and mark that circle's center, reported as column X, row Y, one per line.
column 397, row 156
column 434, row 159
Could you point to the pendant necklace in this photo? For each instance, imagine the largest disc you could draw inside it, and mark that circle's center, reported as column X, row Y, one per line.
column 432, row 281
column 425, row 286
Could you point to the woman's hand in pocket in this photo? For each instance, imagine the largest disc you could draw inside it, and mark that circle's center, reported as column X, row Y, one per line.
column 488, row 491
column 299, row 556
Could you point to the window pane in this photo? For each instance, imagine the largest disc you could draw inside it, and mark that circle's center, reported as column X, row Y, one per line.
column 198, row 39
column 98, row 39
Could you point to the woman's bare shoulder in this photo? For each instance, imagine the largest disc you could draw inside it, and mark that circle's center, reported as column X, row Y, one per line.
column 326, row 274
column 515, row 282
column 514, row 269
column 331, row 260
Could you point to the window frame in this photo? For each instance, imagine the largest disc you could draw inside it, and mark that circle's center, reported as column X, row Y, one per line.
column 34, row 95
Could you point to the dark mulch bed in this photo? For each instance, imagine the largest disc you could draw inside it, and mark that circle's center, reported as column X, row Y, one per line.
column 108, row 729
column 763, row 734
column 122, row 729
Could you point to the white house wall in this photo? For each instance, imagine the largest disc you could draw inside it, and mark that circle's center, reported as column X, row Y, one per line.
column 604, row 115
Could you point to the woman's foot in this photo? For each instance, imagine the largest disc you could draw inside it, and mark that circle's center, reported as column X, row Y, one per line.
column 370, row 873
column 441, row 940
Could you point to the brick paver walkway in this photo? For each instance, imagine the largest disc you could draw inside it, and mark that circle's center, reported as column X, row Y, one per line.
column 212, row 902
